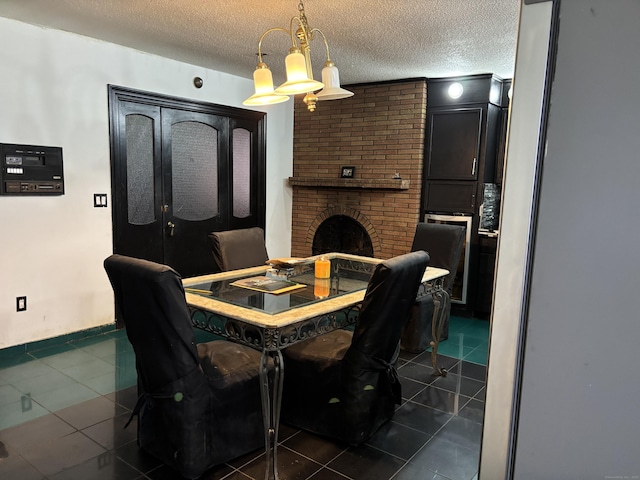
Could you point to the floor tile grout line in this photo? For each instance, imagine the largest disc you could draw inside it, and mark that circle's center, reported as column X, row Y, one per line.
column 303, row 455
column 233, row 472
column 144, row 474
column 431, row 440
column 448, row 371
column 326, row 465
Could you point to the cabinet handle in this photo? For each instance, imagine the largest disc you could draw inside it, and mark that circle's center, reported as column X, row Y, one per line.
column 473, row 169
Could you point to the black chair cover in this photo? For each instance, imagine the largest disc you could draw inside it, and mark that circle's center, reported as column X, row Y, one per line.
column 345, row 385
column 199, row 405
column 444, row 244
column 240, row 248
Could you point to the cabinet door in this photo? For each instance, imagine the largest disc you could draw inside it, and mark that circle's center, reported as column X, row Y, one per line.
column 454, row 144
column 450, row 197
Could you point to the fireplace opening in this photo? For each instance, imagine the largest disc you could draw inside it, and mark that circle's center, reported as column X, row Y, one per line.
column 343, row 234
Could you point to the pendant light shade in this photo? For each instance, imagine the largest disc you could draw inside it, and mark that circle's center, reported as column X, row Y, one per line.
column 298, row 68
column 263, row 83
column 297, row 79
column 331, row 80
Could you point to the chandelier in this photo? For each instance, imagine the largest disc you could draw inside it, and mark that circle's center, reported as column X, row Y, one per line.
column 298, row 69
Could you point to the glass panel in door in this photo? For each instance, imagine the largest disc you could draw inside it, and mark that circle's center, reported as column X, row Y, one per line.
column 137, row 181
column 241, row 172
column 194, row 171
column 140, row 184
column 194, row 184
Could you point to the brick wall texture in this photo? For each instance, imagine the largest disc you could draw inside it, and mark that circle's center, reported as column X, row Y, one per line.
column 380, row 131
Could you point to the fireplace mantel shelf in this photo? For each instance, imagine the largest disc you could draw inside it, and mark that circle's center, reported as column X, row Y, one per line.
column 371, row 183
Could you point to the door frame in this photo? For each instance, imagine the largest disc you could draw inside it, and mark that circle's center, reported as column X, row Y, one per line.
column 236, row 116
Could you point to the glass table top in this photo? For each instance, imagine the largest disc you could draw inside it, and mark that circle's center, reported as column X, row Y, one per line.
column 347, row 276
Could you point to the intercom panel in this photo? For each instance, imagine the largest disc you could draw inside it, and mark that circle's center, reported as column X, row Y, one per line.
column 31, row 170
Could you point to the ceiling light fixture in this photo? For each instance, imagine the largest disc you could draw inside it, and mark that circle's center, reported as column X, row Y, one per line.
column 298, row 68
column 455, row 90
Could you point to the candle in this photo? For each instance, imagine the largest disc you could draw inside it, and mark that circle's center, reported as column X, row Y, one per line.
column 323, row 268
column 321, row 287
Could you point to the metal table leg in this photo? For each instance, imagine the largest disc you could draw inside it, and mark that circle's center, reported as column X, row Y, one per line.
column 441, row 301
column 271, row 390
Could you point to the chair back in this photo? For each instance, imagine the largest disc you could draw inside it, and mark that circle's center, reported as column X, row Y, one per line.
column 370, row 383
column 386, row 306
column 349, row 381
column 242, row 248
column 150, row 299
column 444, row 245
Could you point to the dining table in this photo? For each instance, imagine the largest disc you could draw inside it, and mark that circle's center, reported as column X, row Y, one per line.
column 273, row 306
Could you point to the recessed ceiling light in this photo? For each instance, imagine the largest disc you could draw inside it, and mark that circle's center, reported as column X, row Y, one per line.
column 455, row 90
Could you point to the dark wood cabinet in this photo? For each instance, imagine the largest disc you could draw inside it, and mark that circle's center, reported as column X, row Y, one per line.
column 462, row 148
column 454, row 144
column 461, row 143
column 450, row 196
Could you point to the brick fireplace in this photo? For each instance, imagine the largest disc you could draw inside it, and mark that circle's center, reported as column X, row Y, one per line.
column 380, row 132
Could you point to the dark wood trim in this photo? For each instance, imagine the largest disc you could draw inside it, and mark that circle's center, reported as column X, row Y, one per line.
column 126, row 94
column 230, row 117
column 371, row 183
column 387, row 82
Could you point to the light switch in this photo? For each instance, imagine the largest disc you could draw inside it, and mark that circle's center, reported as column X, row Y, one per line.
column 99, row 200
column 21, row 304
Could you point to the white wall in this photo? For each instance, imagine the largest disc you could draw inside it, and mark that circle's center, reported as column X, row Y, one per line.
column 571, row 396
column 579, row 399
column 54, row 92
column 517, row 209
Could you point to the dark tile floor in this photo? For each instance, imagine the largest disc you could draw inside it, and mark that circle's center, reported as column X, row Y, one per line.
column 63, row 409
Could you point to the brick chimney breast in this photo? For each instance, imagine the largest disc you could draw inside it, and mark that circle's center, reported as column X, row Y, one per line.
column 380, row 131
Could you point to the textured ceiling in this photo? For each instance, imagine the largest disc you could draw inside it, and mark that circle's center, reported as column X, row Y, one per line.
column 369, row 40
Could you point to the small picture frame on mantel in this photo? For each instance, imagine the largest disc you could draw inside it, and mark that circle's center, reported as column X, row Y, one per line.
column 347, row 172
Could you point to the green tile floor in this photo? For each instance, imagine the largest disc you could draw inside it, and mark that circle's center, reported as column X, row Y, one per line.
column 468, row 340
column 48, row 376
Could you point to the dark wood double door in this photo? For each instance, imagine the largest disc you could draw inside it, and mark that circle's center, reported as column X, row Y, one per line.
column 180, row 170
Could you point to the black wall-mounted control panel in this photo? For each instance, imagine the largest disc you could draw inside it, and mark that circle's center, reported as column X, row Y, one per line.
column 31, row 170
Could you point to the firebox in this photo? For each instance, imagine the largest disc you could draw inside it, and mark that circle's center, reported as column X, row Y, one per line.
column 343, row 234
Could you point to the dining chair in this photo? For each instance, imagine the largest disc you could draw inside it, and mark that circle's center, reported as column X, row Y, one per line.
column 199, row 404
column 444, row 243
column 344, row 384
column 241, row 248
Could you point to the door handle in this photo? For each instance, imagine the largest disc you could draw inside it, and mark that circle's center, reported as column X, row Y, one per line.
column 473, row 168
column 172, row 227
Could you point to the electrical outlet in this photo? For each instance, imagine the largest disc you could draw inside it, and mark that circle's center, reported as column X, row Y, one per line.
column 21, row 304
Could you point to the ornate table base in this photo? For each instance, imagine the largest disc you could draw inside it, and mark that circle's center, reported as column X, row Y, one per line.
column 441, row 301
column 271, row 390
column 271, row 340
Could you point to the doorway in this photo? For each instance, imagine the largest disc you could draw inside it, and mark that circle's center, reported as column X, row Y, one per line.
column 180, row 170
